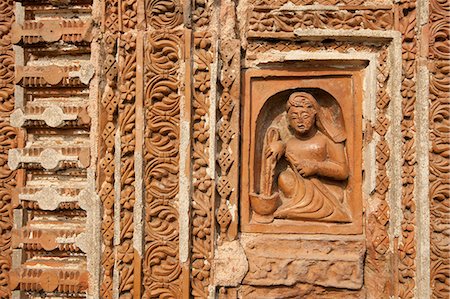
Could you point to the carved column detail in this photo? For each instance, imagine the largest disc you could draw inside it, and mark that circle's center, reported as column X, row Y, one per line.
column 163, row 85
column 127, row 128
column 108, row 129
column 439, row 64
column 228, row 132
column 202, row 213
column 379, row 251
column 407, row 243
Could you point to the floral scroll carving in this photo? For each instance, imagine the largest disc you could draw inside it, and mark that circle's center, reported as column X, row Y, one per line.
column 407, row 245
column 162, row 92
column 266, row 22
column 203, row 184
column 439, row 54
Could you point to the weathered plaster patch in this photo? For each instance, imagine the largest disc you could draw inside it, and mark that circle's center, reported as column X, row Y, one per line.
column 230, row 264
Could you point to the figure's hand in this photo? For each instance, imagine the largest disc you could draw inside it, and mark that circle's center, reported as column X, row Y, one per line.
column 307, row 167
column 274, row 149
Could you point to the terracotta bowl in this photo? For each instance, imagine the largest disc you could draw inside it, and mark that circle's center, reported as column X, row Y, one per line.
column 264, row 205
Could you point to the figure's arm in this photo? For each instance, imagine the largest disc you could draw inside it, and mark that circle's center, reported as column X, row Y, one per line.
column 336, row 166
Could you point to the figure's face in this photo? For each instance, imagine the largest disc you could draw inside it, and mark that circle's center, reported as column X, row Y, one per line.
column 301, row 115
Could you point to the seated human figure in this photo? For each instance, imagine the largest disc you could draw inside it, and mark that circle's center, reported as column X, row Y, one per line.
column 308, row 150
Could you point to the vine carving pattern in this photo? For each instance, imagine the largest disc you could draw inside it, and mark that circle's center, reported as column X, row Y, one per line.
column 407, row 244
column 162, row 93
column 127, row 127
column 439, row 58
column 203, row 185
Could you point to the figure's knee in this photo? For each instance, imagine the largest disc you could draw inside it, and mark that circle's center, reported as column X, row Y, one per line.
column 287, row 182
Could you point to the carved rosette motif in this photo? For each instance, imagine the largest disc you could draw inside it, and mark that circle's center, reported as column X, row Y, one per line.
column 162, row 93
column 202, row 217
column 407, row 243
column 439, row 61
column 8, row 140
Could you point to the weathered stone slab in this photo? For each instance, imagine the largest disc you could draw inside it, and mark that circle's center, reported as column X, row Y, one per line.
column 287, row 260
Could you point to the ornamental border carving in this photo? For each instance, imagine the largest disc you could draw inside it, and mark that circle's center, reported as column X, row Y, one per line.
column 439, row 94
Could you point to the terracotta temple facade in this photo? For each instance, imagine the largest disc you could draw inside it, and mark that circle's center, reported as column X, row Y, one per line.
column 224, row 149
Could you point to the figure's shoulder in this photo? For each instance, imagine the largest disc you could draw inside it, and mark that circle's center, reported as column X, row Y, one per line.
column 321, row 138
column 328, row 141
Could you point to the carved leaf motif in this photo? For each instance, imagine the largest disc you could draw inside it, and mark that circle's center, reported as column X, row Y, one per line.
column 126, row 280
column 199, row 290
column 163, row 261
column 203, row 59
column 163, row 14
column 200, row 155
column 126, row 227
column 161, row 221
column 201, row 249
column 201, row 105
column 201, row 204
column 202, row 40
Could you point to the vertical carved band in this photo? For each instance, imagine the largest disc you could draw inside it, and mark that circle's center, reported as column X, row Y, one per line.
column 202, row 182
column 127, row 128
column 407, row 244
column 118, row 125
column 163, row 86
column 439, row 55
column 228, row 132
column 8, row 140
column 378, row 221
column 108, row 129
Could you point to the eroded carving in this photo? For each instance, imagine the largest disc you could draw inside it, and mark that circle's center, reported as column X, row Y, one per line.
column 287, row 261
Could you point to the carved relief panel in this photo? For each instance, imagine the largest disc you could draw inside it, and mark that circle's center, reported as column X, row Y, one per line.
column 301, row 151
column 224, row 149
